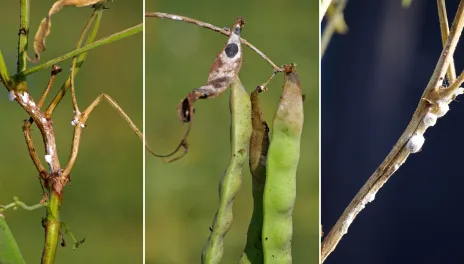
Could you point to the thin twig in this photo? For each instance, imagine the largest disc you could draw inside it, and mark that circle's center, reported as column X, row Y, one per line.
column 55, row 70
column 32, row 153
column 80, row 60
column 89, row 22
column 80, row 123
column 434, row 103
column 333, row 25
column 443, row 17
column 323, row 9
column 18, row 203
column 214, row 28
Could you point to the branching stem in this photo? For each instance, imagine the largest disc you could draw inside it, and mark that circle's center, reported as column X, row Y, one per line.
column 433, row 95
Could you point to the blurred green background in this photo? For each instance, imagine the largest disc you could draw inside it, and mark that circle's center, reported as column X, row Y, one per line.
column 182, row 197
column 105, row 202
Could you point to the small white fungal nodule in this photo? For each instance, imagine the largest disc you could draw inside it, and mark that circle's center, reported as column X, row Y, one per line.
column 44, row 119
column 370, row 198
column 32, row 103
column 415, row 143
column 76, row 121
column 460, row 91
column 24, row 97
column 176, row 18
column 443, row 108
column 48, row 159
column 11, row 95
column 430, row 119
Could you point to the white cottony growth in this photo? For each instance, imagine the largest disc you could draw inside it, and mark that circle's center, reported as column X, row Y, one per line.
column 443, row 108
column 32, row 103
column 11, row 95
column 44, row 119
column 75, row 122
column 24, row 97
column 48, row 159
column 349, row 219
column 370, row 197
column 460, row 91
column 415, row 143
column 430, row 119
column 176, row 18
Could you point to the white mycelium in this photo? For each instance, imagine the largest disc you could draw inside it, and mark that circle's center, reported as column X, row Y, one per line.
column 443, row 108
column 11, row 95
column 430, row 119
column 415, row 143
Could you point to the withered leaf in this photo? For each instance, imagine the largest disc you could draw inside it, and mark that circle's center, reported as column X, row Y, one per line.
column 223, row 71
column 46, row 23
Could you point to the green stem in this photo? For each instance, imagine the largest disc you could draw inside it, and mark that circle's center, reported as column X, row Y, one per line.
column 112, row 38
column 23, row 34
column 4, row 75
column 52, row 228
column 231, row 181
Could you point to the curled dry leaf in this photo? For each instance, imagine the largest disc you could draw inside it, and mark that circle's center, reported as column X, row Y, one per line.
column 223, row 71
column 46, row 23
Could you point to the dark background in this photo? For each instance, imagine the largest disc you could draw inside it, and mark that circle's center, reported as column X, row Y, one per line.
column 372, row 79
column 182, row 197
column 105, row 202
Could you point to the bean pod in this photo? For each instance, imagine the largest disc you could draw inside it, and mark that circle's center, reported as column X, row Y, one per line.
column 282, row 162
column 259, row 145
column 231, row 180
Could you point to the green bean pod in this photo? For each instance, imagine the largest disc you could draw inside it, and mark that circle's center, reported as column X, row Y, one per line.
column 231, row 180
column 9, row 251
column 282, row 162
column 259, row 145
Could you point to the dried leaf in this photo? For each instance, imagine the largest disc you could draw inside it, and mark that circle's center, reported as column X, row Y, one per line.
column 46, row 23
column 223, row 71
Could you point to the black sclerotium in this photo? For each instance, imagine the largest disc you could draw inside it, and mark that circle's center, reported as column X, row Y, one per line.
column 231, row 50
column 237, row 30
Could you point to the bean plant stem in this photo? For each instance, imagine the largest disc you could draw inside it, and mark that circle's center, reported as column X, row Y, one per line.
column 400, row 153
column 23, row 34
column 112, row 38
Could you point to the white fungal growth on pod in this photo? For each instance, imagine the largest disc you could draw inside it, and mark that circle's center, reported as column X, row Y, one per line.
column 44, row 120
column 11, row 95
column 430, row 119
column 415, row 143
column 443, row 108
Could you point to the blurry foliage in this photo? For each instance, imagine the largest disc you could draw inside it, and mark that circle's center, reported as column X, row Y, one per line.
column 182, row 196
column 104, row 202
